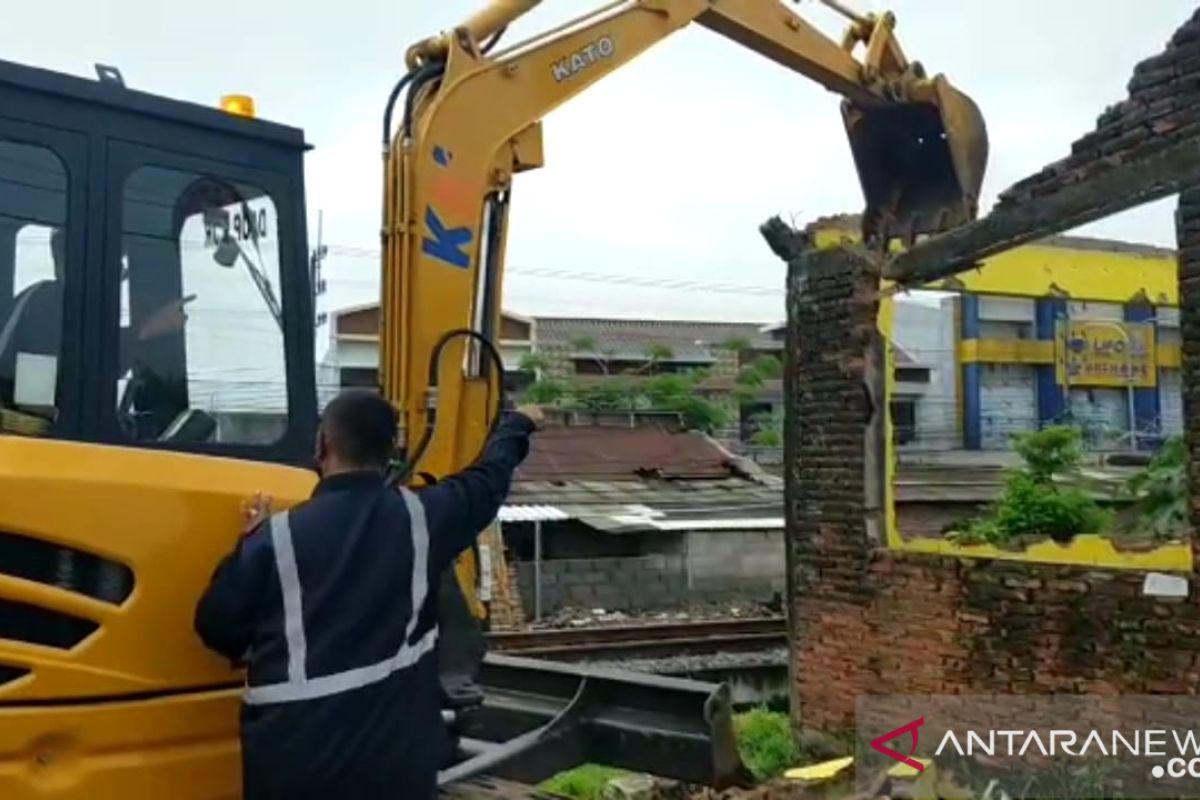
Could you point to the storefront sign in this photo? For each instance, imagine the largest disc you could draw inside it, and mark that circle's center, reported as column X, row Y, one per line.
column 1095, row 353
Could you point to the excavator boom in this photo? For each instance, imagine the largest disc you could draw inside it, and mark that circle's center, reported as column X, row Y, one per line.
column 920, row 146
column 471, row 120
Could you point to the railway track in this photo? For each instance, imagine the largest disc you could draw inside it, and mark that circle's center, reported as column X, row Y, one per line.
column 657, row 640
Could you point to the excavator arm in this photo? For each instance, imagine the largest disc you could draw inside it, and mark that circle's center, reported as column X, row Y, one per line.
column 471, row 120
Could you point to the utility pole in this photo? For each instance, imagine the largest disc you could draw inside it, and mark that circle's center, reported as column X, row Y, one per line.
column 316, row 279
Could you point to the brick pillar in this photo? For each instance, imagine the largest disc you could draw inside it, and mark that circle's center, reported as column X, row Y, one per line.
column 1187, row 233
column 833, row 443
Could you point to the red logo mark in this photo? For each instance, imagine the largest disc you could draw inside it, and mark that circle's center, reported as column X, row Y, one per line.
column 913, row 728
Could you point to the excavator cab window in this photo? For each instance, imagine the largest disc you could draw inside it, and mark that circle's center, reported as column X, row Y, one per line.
column 33, row 270
column 202, row 356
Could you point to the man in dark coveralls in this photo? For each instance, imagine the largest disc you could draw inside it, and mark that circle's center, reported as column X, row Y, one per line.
column 330, row 607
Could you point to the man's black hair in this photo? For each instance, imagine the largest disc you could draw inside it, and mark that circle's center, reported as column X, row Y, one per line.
column 361, row 428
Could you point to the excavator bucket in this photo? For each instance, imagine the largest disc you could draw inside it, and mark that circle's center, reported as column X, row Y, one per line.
column 920, row 163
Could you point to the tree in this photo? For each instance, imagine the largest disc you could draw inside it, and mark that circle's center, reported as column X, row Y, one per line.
column 753, row 376
column 655, row 353
column 535, row 363
column 587, row 344
column 641, row 389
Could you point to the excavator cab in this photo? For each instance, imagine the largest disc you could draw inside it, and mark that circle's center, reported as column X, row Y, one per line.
column 920, row 163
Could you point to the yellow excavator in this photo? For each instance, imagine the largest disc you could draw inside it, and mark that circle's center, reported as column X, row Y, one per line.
column 157, row 367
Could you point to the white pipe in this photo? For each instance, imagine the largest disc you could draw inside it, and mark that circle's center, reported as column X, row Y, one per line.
column 537, row 571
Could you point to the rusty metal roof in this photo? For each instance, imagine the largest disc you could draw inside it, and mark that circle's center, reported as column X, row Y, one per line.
column 627, row 479
column 575, row 453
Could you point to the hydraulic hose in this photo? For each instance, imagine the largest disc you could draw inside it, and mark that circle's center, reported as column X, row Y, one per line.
column 405, row 470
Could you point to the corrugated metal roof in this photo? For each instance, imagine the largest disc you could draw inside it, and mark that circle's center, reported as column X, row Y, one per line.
column 687, row 340
column 730, row 496
column 535, row 513
column 749, row 524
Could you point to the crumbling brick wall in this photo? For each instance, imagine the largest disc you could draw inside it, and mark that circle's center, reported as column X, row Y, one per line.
column 869, row 620
column 866, row 619
column 1187, row 231
column 1163, row 107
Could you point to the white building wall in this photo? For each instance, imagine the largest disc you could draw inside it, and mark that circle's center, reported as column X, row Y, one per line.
column 924, row 327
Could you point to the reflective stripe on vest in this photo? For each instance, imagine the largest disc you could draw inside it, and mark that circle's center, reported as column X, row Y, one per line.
column 301, row 687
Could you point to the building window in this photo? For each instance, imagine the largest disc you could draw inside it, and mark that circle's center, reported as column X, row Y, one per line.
column 201, row 344
column 904, row 420
column 359, row 378
column 912, row 375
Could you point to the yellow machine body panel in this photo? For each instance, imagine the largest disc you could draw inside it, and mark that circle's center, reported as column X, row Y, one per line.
column 162, row 515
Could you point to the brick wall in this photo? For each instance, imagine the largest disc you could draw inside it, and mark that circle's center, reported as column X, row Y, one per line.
column 869, row 620
column 1187, row 231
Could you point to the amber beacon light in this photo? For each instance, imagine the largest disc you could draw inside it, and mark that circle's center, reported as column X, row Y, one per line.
column 240, row 104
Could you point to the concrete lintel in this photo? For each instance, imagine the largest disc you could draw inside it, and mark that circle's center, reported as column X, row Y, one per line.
column 1133, row 183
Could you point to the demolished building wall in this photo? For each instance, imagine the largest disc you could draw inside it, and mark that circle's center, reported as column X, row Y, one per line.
column 869, row 620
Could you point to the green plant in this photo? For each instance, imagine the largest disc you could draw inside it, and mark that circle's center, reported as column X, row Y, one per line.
column 765, row 742
column 585, row 782
column 587, row 345
column 607, row 395
column 751, row 377
column 768, row 429
column 657, row 352
column 1031, row 502
column 544, row 392
column 1160, row 492
column 643, row 388
column 1054, row 450
column 534, row 362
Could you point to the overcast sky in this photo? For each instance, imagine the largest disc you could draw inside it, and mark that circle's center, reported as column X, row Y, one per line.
column 664, row 170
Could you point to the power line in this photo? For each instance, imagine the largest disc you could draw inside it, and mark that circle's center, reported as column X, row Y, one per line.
column 626, row 279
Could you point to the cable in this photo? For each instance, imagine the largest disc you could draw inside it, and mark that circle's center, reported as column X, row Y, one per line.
column 390, row 107
column 491, row 43
column 426, row 74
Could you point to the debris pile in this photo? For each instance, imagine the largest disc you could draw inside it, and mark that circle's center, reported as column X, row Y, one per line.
column 600, row 617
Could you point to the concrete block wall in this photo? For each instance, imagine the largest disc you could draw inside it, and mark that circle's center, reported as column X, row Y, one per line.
column 866, row 619
column 725, row 565
column 614, row 584
column 707, row 566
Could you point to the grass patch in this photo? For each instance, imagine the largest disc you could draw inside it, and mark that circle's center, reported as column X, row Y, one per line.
column 765, row 742
column 585, row 782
